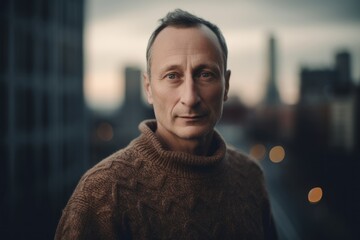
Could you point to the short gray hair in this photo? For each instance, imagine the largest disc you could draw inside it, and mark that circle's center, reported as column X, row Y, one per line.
column 181, row 18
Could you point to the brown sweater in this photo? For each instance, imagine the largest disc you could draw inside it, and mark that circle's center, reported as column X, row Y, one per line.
column 147, row 192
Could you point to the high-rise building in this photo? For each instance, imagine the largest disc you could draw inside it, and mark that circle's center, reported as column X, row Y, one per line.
column 115, row 130
column 272, row 93
column 133, row 95
column 316, row 85
column 321, row 84
column 329, row 93
column 134, row 109
column 343, row 70
column 343, row 123
column 269, row 127
column 43, row 140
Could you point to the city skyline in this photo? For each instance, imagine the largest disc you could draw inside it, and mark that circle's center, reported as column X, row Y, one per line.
column 50, row 138
column 116, row 36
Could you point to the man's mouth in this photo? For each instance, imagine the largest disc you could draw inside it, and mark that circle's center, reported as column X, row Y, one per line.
column 192, row 117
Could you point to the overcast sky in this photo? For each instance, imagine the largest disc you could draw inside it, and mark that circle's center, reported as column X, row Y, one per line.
column 308, row 33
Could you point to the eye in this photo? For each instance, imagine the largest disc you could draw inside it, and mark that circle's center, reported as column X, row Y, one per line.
column 172, row 76
column 205, row 75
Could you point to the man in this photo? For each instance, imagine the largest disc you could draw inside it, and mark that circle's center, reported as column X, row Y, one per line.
column 178, row 179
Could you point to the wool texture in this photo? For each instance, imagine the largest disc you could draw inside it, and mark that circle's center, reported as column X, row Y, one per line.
column 147, row 192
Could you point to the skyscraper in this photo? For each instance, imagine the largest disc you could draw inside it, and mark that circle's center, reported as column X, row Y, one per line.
column 343, row 70
column 134, row 109
column 272, row 94
column 43, row 143
column 330, row 94
column 133, row 86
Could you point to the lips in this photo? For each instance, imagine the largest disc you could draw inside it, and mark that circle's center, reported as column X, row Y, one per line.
column 192, row 117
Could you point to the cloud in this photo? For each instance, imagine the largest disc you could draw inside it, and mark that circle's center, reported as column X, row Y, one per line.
column 307, row 31
column 255, row 11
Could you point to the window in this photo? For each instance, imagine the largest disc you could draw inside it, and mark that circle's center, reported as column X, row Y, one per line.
column 4, row 6
column 24, row 52
column 4, row 44
column 24, row 109
column 45, row 109
column 3, row 108
column 24, row 8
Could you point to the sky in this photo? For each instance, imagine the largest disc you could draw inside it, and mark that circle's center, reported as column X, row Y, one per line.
column 308, row 34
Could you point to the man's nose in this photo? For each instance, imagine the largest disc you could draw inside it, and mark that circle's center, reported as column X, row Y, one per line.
column 190, row 92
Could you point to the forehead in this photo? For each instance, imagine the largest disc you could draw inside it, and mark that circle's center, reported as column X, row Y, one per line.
column 186, row 41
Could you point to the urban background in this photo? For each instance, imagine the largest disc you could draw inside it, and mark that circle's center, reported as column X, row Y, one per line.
column 52, row 129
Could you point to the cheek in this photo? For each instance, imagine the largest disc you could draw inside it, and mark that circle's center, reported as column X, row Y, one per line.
column 215, row 95
column 162, row 100
column 164, row 95
column 214, row 101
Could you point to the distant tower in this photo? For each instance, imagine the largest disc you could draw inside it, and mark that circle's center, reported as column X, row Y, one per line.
column 272, row 94
column 343, row 70
column 133, row 86
column 133, row 107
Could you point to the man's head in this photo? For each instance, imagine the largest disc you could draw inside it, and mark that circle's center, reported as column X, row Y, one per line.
column 182, row 19
column 187, row 80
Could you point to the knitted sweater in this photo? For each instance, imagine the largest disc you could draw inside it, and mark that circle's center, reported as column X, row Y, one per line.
column 146, row 192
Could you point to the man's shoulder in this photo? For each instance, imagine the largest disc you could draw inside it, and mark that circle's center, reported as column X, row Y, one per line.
column 100, row 185
column 242, row 162
column 119, row 165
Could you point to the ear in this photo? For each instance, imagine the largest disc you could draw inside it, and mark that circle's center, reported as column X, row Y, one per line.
column 147, row 87
column 227, row 80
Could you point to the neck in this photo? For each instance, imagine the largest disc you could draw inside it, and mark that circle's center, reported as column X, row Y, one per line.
column 195, row 146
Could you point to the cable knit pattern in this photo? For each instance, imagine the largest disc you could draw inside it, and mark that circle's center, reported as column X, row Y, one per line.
column 147, row 192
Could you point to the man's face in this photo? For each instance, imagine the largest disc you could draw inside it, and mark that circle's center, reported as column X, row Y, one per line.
column 188, row 83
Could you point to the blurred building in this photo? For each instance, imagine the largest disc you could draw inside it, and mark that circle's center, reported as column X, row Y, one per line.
column 316, row 85
column 43, row 140
column 234, row 118
column 327, row 140
column 344, row 80
column 272, row 93
column 134, row 109
column 272, row 120
column 343, row 123
column 343, row 109
column 327, row 109
column 113, row 131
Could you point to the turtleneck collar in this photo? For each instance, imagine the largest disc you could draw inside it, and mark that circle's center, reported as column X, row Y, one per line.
column 177, row 162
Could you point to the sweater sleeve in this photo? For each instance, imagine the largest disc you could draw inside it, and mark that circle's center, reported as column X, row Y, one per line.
column 253, row 172
column 79, row 221
column 90, row 212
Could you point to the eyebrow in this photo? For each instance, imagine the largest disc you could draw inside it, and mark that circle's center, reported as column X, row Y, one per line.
column 196, row 68
column 169, row 67
column 213, row 66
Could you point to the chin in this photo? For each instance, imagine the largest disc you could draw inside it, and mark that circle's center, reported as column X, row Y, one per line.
column 194, row 132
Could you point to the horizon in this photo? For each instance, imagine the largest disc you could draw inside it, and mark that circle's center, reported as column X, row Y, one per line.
column 116, row 35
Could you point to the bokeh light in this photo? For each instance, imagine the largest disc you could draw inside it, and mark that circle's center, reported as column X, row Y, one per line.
column 315, row 195
column 277, row 154
column 258, row 151
column 105, row 132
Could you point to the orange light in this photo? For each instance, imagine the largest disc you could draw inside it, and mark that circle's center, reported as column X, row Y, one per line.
column 105, row 132
column 258, row 151
column 277, row 154
column 315, row 195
